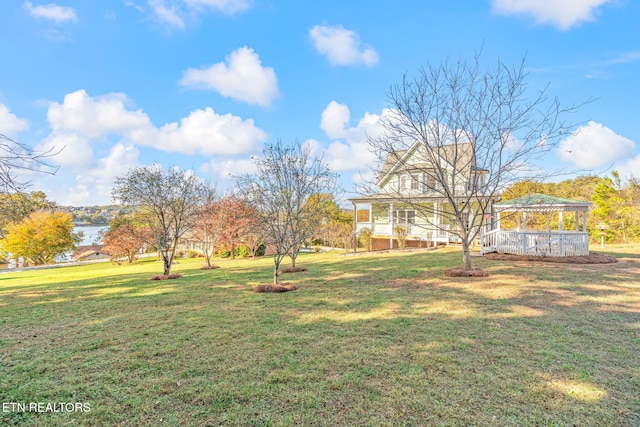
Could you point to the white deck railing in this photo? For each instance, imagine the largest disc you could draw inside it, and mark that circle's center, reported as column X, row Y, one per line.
column 536, row 243
column 422, row 232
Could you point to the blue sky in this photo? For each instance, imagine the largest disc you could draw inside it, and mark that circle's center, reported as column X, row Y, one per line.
column 202, row 84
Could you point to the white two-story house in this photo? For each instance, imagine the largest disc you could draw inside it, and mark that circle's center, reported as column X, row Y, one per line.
column 415, row 190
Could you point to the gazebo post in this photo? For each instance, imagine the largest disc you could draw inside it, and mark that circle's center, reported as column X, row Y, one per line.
column 391, row 226
column 561, row 234
column 584, row 221
column 577, row 223
column 560, row 221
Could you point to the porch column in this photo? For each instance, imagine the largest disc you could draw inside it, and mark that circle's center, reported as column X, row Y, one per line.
column 560, row 221
column 390, row 225
column 577, row 223
column 355, row 228
column 524, row 221
column 584, row 221
column 561, row 235
column 498, row 220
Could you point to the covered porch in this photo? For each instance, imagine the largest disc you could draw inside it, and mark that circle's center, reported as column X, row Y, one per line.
column 380, row 213
column 539, row 242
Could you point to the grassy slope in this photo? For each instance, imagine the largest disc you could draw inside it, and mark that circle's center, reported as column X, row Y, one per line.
column 367, row 340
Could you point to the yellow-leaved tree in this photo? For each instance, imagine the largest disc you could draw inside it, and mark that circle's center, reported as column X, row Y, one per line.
column 39, row 237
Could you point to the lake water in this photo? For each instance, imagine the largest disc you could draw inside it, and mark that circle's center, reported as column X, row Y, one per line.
column 90, row 233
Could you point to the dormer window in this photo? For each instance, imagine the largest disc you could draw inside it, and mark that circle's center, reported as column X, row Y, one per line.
column 415, row 184
column 404, row 182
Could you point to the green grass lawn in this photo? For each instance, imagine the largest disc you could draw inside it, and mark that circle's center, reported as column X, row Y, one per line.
column 374, row 340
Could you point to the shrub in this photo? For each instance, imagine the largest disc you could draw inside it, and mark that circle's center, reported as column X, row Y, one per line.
column 223, row 252
column 242, row 251
column 400, row 232
column 365, row 237
column 192, row 253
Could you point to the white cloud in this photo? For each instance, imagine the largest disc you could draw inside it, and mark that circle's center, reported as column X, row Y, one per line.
column 10, row 124
column 120, row 159
column 94, row 117
column 169, row 15
column 72, row 149
column 177, row 13
column 594, row 146
column 228, row 7
column 93, row 186
column 629, row 168
column 223, row 170
column 51, row 12
column 334, row 119
column 203, row 132
column 350, row 149
column 241, row 77
column 88, row 127
column 81, row 121
column 342, row 46
column 563, row 14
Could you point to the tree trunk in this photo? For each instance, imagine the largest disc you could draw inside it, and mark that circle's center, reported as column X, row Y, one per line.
column 276, row 272
column 293, row 259
column 466, row 254
column 167, row 263
column 233, row 251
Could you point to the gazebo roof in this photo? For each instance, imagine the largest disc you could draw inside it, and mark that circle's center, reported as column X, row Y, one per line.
column 541, row 203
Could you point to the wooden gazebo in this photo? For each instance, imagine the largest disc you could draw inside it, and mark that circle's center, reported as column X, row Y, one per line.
column 521, row 241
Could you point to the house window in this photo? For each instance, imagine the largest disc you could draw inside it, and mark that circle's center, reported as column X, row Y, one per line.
column 404, row 182
column 414, row 183
column 429, row 182
column 404, row 216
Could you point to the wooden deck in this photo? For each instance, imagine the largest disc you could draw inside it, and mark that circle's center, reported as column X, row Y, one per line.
column 535, row 243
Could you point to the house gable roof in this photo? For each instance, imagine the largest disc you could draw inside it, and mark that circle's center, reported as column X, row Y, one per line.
column 452, row 153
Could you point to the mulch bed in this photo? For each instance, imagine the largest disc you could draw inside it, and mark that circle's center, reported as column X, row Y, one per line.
column 167, row 277
column 296, row 269
column 209, row 267
column 282, row 287
column 592, row 258
column 462, row 272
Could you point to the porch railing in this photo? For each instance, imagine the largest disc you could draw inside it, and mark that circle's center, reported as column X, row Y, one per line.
column 423, row 232
column 536, row 243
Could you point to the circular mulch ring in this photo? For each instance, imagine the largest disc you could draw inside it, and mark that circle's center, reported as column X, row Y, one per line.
column 166, row 277
column 209, row 267
column 296, row 269
column 279, row 288
column 592, row 258
column 466, row 272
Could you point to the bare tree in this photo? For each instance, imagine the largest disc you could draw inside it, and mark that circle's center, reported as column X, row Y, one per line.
column 466, row 133
column 344, row 234
column 285, row 179
column 170, row 199
column 208, row 229
column 15, row 156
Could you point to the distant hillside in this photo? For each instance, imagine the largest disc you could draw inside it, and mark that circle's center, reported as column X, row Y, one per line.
column 94, row 215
